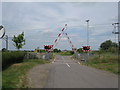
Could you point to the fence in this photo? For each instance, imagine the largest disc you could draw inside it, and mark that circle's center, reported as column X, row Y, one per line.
column 82, row 57
column 32, row 55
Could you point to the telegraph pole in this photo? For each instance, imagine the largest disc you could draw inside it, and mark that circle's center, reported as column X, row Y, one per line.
column 116, row 27
column 118, row 32
column 6, row 39
column 119, row 36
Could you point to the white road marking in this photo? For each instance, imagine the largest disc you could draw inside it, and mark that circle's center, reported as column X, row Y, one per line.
column 67, row 64
column 53, row 61
column 78, row 62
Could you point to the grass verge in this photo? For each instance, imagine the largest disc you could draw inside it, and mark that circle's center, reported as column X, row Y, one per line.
column 107, row 62
column 66, row 53
column 15, row 75
column 105, row 66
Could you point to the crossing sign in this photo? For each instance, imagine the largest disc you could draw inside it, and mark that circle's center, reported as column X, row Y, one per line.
column 2, row 31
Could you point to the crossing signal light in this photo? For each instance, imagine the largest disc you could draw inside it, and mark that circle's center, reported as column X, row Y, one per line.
column 48, row 46
column 86, row 48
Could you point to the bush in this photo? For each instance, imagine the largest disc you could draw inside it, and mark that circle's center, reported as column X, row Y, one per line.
column 9, row 58
column 104, row 58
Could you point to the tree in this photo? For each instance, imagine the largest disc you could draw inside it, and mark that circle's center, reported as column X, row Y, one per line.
column 71, row 52
column 107, row 45
column 42, row 50
column 56, row 50
column 4, row 49
column 19, row 40
column 79, row 50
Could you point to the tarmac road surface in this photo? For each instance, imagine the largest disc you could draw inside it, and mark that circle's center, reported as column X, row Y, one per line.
column 67, row 73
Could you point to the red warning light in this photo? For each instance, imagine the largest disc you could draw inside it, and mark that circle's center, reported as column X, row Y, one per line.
column 47, row 47
column 86, row 48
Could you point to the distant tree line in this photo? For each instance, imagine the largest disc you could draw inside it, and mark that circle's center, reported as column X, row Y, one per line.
column 56, row 50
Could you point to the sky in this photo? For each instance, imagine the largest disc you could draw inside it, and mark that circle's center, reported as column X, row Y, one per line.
column 42, row 22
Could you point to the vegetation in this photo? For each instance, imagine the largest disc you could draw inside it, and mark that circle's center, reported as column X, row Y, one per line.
column 109, row 46
column 9, row 58
column 105, row 61
column 4, row 49
column 56, row 50
column 79, row 50
column 15, row 75
column 66, row 53
column 42, row 50
column 19, row 41
column 106, row 58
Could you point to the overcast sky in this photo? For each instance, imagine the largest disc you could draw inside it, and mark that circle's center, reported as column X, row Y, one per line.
column 42, row 22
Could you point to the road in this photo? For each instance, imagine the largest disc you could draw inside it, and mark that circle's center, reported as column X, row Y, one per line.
column 68, row 73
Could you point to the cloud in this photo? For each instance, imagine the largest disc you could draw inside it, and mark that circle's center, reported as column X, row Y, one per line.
column 64, row 39
column 84, row 4
column 60, row 1
column 42, row 22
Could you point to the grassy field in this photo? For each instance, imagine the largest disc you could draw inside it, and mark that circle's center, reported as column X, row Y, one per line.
column 104, row 61
column 68, row 53
column 15, row 75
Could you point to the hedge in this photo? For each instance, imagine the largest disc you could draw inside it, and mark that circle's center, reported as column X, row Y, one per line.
column 9, row 58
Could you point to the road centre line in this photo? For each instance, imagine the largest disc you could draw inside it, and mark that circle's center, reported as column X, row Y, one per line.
column 67, row 64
